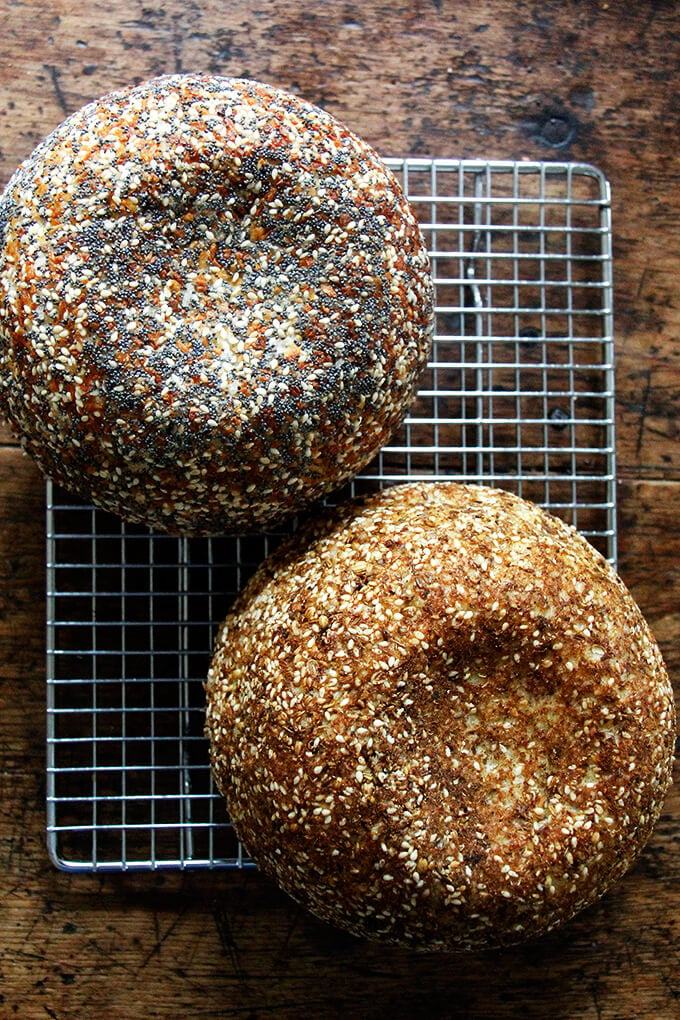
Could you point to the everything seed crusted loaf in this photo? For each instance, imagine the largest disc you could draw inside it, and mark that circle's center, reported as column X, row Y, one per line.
column 439, row 719
column 215, row 303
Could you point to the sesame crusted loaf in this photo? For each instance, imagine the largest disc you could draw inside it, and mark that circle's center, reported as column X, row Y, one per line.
column 439, row 718
column 215, row 303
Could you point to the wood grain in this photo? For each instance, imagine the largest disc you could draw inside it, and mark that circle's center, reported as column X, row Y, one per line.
column 587, row 81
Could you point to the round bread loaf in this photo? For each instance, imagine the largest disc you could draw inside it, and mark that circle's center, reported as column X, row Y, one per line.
column 439, row 718
column 215, row 303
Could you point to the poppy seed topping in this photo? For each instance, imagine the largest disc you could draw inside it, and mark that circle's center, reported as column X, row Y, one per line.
column 215, row 303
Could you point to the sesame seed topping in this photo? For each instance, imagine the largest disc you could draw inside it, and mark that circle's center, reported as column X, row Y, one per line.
column 491, row 785
column 215, row 303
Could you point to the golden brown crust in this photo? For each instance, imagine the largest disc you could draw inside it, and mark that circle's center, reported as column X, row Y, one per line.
column 439, row 718
column 215, row 303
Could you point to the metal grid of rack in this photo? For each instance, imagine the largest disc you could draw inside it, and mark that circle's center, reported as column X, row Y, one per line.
column 518, row 393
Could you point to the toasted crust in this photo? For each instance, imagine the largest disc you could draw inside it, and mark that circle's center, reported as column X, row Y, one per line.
column 439, row 719
column 215, row 303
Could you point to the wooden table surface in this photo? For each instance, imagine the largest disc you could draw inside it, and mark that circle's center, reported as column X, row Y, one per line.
column 587, row 80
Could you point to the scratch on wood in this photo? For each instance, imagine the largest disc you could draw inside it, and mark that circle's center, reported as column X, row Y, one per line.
column 56, row 85
column 282, row 956
column 228, row 942
column 643, row 280
column 160, row 939
column 631, row 968
column 109, row 956
column 177, row 46
column 647, row 375
column 594, row 991
column 648, row 22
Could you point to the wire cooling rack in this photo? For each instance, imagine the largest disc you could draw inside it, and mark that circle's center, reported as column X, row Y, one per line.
column 518, row 393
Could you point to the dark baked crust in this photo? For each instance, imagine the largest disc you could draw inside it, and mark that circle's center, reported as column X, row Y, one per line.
column 439, row 718
column 215, row 303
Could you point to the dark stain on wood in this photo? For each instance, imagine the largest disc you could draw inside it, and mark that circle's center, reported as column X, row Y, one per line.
column 554, row 127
